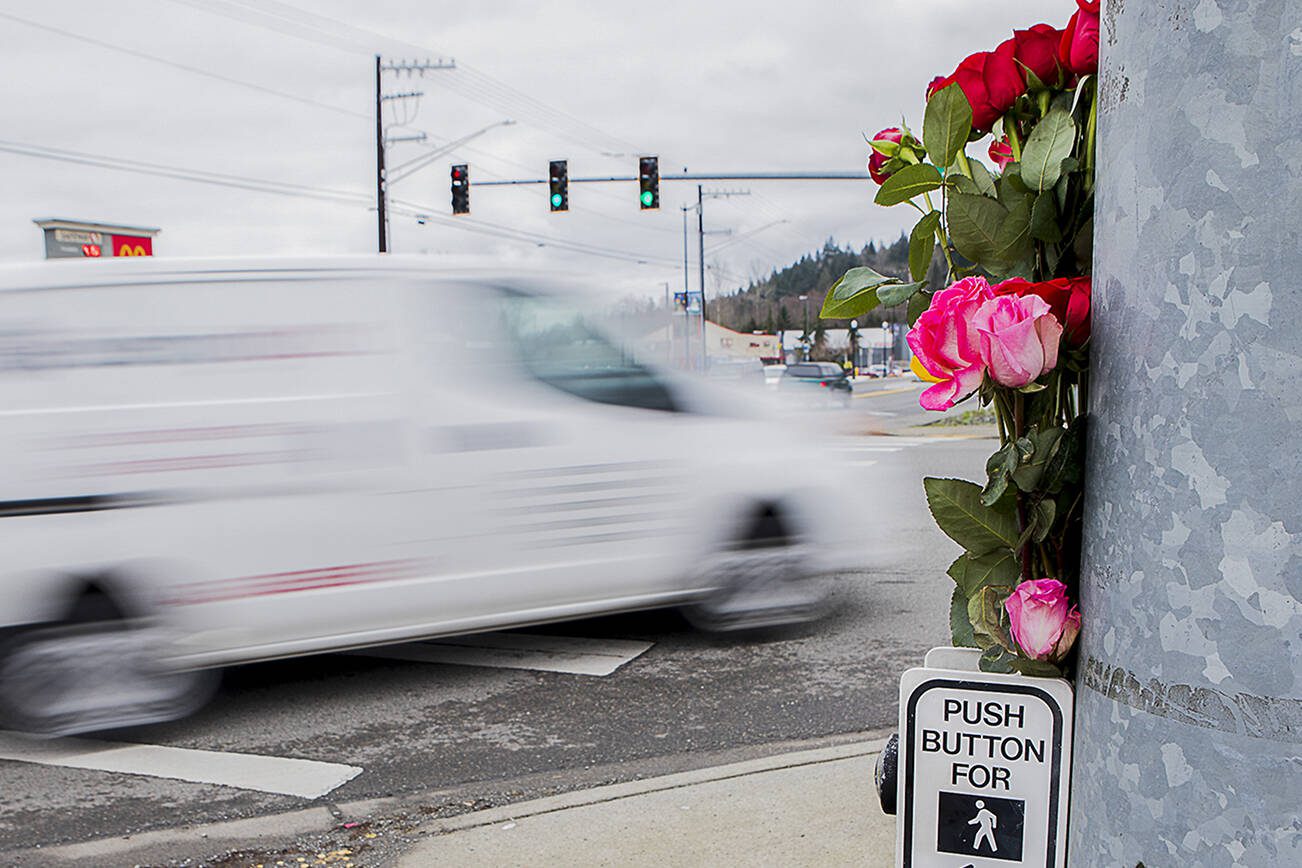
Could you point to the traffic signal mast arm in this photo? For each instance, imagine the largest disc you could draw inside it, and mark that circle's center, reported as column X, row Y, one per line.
column 695, row 176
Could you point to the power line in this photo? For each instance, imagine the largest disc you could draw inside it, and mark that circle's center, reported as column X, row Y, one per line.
column 476, row 85
column 194, row 70
column 181, row 173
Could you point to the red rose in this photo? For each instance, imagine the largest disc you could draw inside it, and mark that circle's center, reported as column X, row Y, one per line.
column 990, row 80
column 878, row 159
column 1078, row 50
column 1068, row 299
column 1037, row 50
column 1001, row 152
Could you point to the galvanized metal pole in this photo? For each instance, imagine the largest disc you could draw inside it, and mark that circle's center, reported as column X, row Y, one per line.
column 1189, row 685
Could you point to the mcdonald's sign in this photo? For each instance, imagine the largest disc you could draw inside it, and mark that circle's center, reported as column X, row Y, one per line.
column 133, row 245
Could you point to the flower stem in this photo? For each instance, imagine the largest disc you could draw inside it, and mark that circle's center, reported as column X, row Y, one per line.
column 1014, row 141
column 963, row 165
column 1091, row 132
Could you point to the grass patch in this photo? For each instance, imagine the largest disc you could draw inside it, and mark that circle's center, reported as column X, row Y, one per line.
column 979, row 416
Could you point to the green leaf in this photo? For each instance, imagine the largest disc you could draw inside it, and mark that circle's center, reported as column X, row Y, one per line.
column 897, row 293
column 1044, row 446
column 1011, row 184
column 922, row 245
column 982, row 178
column 908, row 182
column 996, row 568
column 1050, row 143
column 1083, row 244
column 946, row 124
column 963, row 184
column 1013, row 241
column 956, row 506
column 885, row 147
column 960, row 628
column 998, row 468
column 917, row 306
column 974, row 223
column 854, row 294
column 1066, row 467
column 1044, row 219
column 1036, row 668
column 1045, row 511
column 996, row 659
column 985, row 611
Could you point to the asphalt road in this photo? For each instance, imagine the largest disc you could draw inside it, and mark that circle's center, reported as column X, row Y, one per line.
column 434, row 739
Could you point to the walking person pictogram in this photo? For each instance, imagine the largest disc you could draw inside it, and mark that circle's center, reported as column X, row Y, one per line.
column 985, row 821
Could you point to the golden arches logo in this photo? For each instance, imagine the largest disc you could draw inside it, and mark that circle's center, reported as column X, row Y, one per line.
column 132, row 250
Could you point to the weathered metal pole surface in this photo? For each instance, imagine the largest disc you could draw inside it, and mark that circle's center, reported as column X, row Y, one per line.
column 1189, row 696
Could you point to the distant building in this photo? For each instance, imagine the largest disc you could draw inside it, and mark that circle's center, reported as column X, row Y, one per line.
column 680, row 344
column 80, row 239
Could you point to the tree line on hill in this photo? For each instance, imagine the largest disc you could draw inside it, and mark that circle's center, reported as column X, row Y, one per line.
column 773, row 304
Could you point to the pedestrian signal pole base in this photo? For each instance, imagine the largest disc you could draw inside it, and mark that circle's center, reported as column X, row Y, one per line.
column 984, row 766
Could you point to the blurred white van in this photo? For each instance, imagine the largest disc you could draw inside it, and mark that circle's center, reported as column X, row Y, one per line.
column 209, row 463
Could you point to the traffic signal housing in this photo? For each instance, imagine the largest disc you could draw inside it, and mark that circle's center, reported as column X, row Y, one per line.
column 461, row 189
column 558, row 179
column 648, row 177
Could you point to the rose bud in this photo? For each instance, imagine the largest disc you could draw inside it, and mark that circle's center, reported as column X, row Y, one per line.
column 1042, row 620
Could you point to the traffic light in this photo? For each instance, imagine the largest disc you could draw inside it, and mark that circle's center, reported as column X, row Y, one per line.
column 461, row 189
column 558, row 177
column 648, row 176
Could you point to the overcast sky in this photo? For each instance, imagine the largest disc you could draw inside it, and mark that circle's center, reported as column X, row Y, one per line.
column 284, row 92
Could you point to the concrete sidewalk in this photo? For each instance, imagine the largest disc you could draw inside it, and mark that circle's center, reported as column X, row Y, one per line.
column 813, row 808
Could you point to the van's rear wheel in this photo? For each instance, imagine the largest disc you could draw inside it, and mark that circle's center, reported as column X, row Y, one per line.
column 757, row 588
column 74, row 678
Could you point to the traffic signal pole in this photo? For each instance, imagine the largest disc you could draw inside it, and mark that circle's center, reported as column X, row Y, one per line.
column 381, row 207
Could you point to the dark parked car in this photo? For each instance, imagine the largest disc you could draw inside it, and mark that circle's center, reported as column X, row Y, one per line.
column 830, row 381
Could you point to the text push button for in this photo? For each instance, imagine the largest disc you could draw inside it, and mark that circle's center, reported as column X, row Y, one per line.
column 984, row 766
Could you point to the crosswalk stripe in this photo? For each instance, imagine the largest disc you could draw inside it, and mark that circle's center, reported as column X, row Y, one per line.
column 567, row 654
column 308, row 779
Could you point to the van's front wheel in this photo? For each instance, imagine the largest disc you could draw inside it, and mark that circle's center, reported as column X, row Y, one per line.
column 75, row 678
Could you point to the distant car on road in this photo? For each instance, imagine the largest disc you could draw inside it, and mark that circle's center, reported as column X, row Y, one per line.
column 829, row 378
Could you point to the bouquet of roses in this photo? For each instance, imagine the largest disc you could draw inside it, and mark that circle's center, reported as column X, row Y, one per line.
column 1011, row 325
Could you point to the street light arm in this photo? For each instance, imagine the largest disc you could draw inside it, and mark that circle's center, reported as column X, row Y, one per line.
column 397, row 173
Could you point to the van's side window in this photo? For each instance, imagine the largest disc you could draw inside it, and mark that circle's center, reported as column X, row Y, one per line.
column 557, row 347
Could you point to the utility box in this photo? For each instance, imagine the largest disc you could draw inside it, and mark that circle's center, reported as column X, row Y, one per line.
column 984, row 767
column 80, row 239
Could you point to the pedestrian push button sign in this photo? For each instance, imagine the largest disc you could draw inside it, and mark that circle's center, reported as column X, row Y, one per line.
column 984, row 765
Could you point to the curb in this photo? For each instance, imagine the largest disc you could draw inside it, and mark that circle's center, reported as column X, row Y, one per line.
column 613, row 792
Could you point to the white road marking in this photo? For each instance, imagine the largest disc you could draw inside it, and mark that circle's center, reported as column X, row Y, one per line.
column 862, row 463
column 307, row 779
column 870, row 449
column 567, row 654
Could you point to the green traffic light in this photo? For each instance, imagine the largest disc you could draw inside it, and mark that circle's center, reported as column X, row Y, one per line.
column 556, row 200
column 647, row 198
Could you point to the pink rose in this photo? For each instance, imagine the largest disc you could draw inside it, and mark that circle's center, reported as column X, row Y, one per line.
column 946, row 342
column 1019, row 338
column 877, row 160
column 1068, row 298
column 1043, row 622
